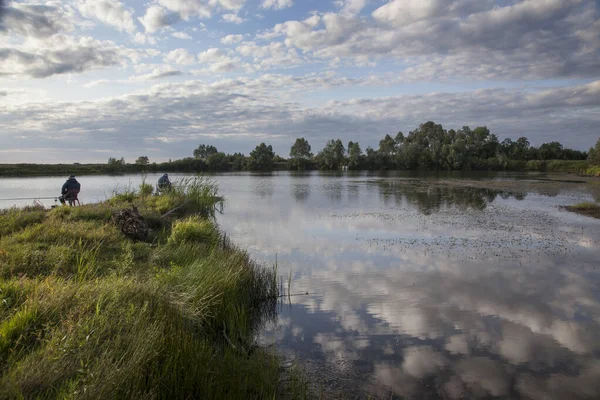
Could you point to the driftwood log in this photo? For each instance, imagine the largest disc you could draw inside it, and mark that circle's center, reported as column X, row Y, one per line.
column 132, row 223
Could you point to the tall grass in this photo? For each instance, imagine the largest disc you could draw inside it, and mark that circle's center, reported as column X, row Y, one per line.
column 594, row 171
column 85, row 313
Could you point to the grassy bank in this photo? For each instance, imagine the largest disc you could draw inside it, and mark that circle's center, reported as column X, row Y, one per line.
column 587, row 208
column 87, row 313
column 188, row 165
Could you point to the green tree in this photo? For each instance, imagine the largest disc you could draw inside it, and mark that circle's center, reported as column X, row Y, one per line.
column 114, row 161
column 387, row 146
column 372, row 159
column 217, row 162
column 399, row 139
column 204, row 151
column 300, row 154
column 354, row 155
column 238, row 161
column 520, row 149
column 261, row 158
column 594, row 154
column 332, row 156
column 142, row 160
column 551, row 151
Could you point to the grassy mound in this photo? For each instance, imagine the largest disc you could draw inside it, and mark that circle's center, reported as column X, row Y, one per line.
column 87, row 313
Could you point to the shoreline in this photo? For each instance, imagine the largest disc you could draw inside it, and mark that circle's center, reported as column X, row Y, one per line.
column 580, row 168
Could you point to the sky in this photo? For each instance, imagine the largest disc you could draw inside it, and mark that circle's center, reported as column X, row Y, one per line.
column 85, row 80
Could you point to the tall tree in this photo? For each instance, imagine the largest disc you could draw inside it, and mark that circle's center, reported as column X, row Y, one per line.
column 594, row 154
column 520, row 150
column 387, row 146
column 261, row 158
column 332, row 156
column 551, row 151
column 354, row 155
column 300, row 154
column 203, row 151
column 217, row 162
column 142, row 160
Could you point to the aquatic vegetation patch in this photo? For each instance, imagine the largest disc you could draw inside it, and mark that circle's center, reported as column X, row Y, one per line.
column 589, row 209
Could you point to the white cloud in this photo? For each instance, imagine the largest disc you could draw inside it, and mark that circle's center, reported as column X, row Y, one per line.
column 244, row 109
column 142, row 38
column 229, row 4
column 95, row 83
column 157, row 18
column 152, row 52
column 200, row 8
column 188, row 8
column 431, row 41
column 533, row 39
column 62, row 54
column 36, row 20
column 110, row 12
column 231, row 39
column 180, row 56
column 275, row 54
column 277, row 4
column 181, row 35
column 232, row 18
column 218, row 61
column 351, row 7
column 158, row 73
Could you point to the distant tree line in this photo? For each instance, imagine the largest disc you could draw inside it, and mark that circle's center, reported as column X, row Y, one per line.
column 429, row 146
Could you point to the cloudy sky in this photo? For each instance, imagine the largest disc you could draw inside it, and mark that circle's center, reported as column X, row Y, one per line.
column 82, row 80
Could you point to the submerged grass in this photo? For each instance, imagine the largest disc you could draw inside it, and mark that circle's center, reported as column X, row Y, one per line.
column 86, row 313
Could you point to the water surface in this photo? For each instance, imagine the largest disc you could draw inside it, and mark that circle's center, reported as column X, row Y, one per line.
column 420, row 287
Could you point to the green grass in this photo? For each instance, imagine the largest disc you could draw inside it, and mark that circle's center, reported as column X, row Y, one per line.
column 586, row 205
column 594, row 171
column 87, row 313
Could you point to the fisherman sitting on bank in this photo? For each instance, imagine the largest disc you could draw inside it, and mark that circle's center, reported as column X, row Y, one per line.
column 164, row 184
column 70, row 191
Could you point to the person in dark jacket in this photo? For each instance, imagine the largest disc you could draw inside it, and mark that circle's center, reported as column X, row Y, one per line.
column 164, row 184
column 69, row 191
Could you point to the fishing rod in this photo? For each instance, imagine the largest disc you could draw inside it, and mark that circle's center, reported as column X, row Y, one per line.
column 31, row 198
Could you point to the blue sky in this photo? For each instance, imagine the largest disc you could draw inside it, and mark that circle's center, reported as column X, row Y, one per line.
column 98, row 78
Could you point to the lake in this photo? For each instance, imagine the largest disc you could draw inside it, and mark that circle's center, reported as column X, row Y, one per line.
column 420, row 285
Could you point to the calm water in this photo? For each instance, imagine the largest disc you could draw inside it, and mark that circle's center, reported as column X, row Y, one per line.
column 418, row 287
